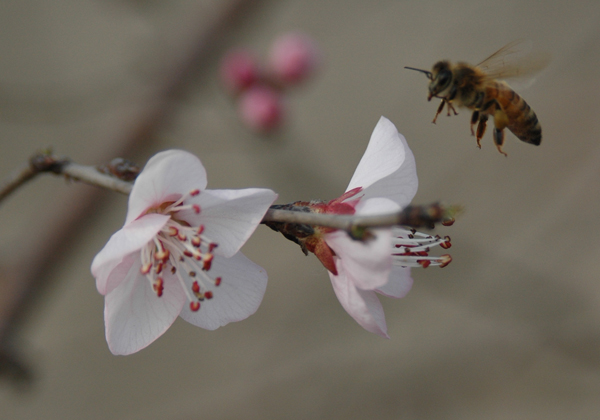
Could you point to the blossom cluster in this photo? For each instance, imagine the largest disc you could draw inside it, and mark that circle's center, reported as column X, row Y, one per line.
column 178, row 253
column 259, row 90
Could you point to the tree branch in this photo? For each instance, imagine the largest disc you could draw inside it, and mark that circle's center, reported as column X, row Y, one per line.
column 111, row 177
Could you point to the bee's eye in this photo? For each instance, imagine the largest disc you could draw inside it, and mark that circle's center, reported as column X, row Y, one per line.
column 444, row 78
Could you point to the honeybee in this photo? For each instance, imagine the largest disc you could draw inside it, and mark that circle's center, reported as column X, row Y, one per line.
column 480, row 89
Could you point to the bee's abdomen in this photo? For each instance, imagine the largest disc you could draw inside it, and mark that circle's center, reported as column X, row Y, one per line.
column 522, row 121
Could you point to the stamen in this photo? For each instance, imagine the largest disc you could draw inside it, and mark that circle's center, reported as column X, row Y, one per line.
column 206, row 264
column 179, row 245
column 415, row 248
column 158, row 286
column 448, row 222
column 146, row 268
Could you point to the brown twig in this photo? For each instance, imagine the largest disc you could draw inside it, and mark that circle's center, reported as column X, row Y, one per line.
column 412, row 216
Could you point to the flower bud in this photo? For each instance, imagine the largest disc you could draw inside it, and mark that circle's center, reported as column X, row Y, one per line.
column 261, row 108
column 239, row 70
column 293, row 57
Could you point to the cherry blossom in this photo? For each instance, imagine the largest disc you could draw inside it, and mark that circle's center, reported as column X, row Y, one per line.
column 178, row 254
column 385, row 181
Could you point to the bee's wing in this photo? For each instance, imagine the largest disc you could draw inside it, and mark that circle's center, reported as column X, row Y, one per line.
column 514, row 61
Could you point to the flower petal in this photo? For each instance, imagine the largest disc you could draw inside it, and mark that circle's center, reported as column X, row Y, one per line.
column 362, row 305
column 167, row 176
column 131, row 238
column 230, row 216
column 239, row 295
column 367, row 264
column 135, row 316
column 387, row 169
column 399, row 284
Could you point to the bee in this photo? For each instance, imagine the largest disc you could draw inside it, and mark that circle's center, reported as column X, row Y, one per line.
column 481, row 89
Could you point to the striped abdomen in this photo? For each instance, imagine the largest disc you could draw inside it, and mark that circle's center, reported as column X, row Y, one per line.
column 515, row 114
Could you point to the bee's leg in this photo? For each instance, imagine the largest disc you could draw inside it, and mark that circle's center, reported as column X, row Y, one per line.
column 481, row 128
column 499, row 139
column 451, row 107
column 474, row 119
column 500, row 123
column 439, row 110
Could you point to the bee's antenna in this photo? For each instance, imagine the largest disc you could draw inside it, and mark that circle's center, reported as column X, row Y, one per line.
column 427, row 73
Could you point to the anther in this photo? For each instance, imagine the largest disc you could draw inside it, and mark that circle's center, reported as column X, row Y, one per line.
column 194, row 193
column 194, row 306
column 217, row 281
column 206, row 264
column 424, row 263
column 159, row 267
column 445, row 260
column 446, row 244
column 158, row 286
column 146, row 268
column 162, row 255
column 196, row 208
column 448, row 222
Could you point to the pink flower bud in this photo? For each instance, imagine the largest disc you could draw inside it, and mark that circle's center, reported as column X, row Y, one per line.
column 239, row 70
column 261, row 108
column 293, row 57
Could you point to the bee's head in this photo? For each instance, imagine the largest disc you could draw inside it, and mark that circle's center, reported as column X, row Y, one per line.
column 441, row 78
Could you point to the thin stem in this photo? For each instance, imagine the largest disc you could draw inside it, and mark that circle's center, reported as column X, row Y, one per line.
column 414, row 216
column 90, row 175
column 44, row 162
column 17, row 178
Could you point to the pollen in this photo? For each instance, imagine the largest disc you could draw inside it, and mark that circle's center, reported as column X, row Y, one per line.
column 183, row 252
column 412, row 248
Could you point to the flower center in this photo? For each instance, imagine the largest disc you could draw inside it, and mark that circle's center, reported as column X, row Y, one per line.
column 412, row 249
column 178, row 248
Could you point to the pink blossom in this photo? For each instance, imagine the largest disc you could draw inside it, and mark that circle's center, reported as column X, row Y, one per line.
column 178, row 254
column 262, row 108
column 385, row 181
column 294, row 57
column 239, row 70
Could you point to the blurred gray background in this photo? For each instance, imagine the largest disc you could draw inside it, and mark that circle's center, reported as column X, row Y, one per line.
column 509, row 330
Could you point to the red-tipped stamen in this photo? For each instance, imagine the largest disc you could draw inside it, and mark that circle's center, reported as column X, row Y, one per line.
column 181, row 250
column 207, row 263
column 448, row 222
column 411, row 249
